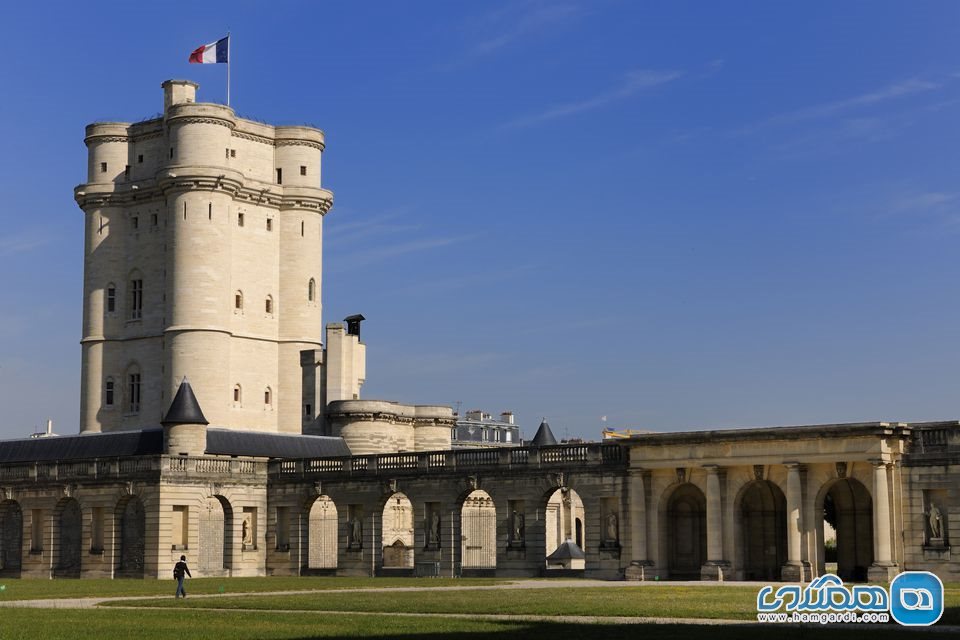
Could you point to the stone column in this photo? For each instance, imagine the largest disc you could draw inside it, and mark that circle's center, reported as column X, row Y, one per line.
column 792, row 571
column 883, row 568
column 638, row 527
column 713, row 569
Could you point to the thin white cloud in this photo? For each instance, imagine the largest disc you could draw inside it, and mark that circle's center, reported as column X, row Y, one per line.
column 632, row 83
column 897, row 90
column 349, row 261
column 509, row 26
column 23, row 242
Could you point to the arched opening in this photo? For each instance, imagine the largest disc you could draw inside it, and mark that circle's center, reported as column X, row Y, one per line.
column 69, row 526
column 322, row 524
column 216, row 536
column 478, row 531
column 237, row 301
column 267, row 398
column 565, row 540
column 131, row 525
column 686, row 532
column 397, row 539
column 11, row 539
column 763, row 528
column 848, row 510
column 237, row 395
column 311, row 290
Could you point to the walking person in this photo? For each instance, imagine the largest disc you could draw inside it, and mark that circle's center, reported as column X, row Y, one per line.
column 180, row 570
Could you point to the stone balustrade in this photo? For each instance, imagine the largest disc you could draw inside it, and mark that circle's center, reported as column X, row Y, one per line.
column 452, row 461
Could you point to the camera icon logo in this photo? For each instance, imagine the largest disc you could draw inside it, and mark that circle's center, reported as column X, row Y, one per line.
column 916, row 598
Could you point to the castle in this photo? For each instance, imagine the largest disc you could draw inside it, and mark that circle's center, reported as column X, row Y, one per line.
column 219, row 422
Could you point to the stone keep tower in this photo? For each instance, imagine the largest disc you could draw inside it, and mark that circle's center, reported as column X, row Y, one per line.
column 202, row 259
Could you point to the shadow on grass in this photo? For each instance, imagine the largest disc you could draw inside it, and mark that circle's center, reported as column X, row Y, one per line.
column 560, row 631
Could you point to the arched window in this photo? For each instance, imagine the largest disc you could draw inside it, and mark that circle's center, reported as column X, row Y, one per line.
column 268, row 305
column 312, row 290
column 267, row 397
column 237, row 301
column 133, row 389
column 109, row 390
column 237, row 395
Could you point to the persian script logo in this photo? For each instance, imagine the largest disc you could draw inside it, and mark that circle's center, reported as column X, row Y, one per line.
column 916, row 598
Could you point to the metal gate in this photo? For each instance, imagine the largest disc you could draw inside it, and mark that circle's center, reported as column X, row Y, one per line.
column 478, row 533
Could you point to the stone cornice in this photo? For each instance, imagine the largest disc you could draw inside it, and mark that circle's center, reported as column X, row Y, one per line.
column 100, row 139
column 201, row 120
column 252, row 137
column 301, row 143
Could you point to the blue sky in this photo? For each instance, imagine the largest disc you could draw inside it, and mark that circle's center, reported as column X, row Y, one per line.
column 676, row 215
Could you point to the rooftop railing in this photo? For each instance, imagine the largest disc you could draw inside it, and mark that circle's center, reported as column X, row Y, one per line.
column 127, row 468
column 436, row 462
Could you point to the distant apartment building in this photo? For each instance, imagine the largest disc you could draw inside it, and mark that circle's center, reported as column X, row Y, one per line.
column 479, row 429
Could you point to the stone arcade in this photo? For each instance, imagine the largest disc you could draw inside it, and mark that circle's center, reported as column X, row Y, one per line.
column 219, row 422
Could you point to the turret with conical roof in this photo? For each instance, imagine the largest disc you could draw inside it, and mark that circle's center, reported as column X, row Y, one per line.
column 184, row 426
column 544, row 436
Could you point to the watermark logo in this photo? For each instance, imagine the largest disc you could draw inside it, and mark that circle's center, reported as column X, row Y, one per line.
column 916, row 598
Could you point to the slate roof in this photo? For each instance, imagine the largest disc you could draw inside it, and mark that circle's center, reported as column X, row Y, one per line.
column 149, row 442
column 88, row 445
column 567, row 551
column 544, row 436
column 184, row 409
column 273, row 445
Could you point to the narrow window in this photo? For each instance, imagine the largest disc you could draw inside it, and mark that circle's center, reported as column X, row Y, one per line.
column 453, row 433
column 140, row 159
column 307, row 410
column 171, row 153
column 103, row 167
column 269, row 224
column 153, row 219
column 133, row 392
column 135, row 222
column 108, row 400
column 227, row 153
column 36, row 530
column 301, row 228
column 184, row 210
column 311, row 290
column 209, row 211
column 239, row 219
column 237, row 394
column 96, row 531
column 279, row 175
column 266, row 397
column 179, row 527
column 268, row 305
column 126, row 171
column 233, row 153
column 136, row 299
column 238, row 300
column 303, row 170
column 111, row 298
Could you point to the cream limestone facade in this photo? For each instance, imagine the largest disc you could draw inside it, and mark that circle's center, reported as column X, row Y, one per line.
column 202, row 259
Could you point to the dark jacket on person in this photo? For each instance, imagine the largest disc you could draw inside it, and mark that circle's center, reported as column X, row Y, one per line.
column 181, row 568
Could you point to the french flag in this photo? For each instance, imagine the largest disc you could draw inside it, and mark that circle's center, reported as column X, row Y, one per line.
column 212, row 53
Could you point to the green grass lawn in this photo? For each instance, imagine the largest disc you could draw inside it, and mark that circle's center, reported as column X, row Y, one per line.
column 96, row 624
column 670, row 601
column 44, row 589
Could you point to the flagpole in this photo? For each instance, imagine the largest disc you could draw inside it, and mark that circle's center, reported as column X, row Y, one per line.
column 228, row 68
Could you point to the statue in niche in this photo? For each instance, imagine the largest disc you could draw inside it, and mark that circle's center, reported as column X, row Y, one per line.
column 518, row 525
column 356, row 532
column 612, row 533
column 435, row 529
column 247, row 532
column 935, row 519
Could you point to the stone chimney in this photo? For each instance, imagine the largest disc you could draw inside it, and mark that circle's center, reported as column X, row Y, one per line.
column 178, row 92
